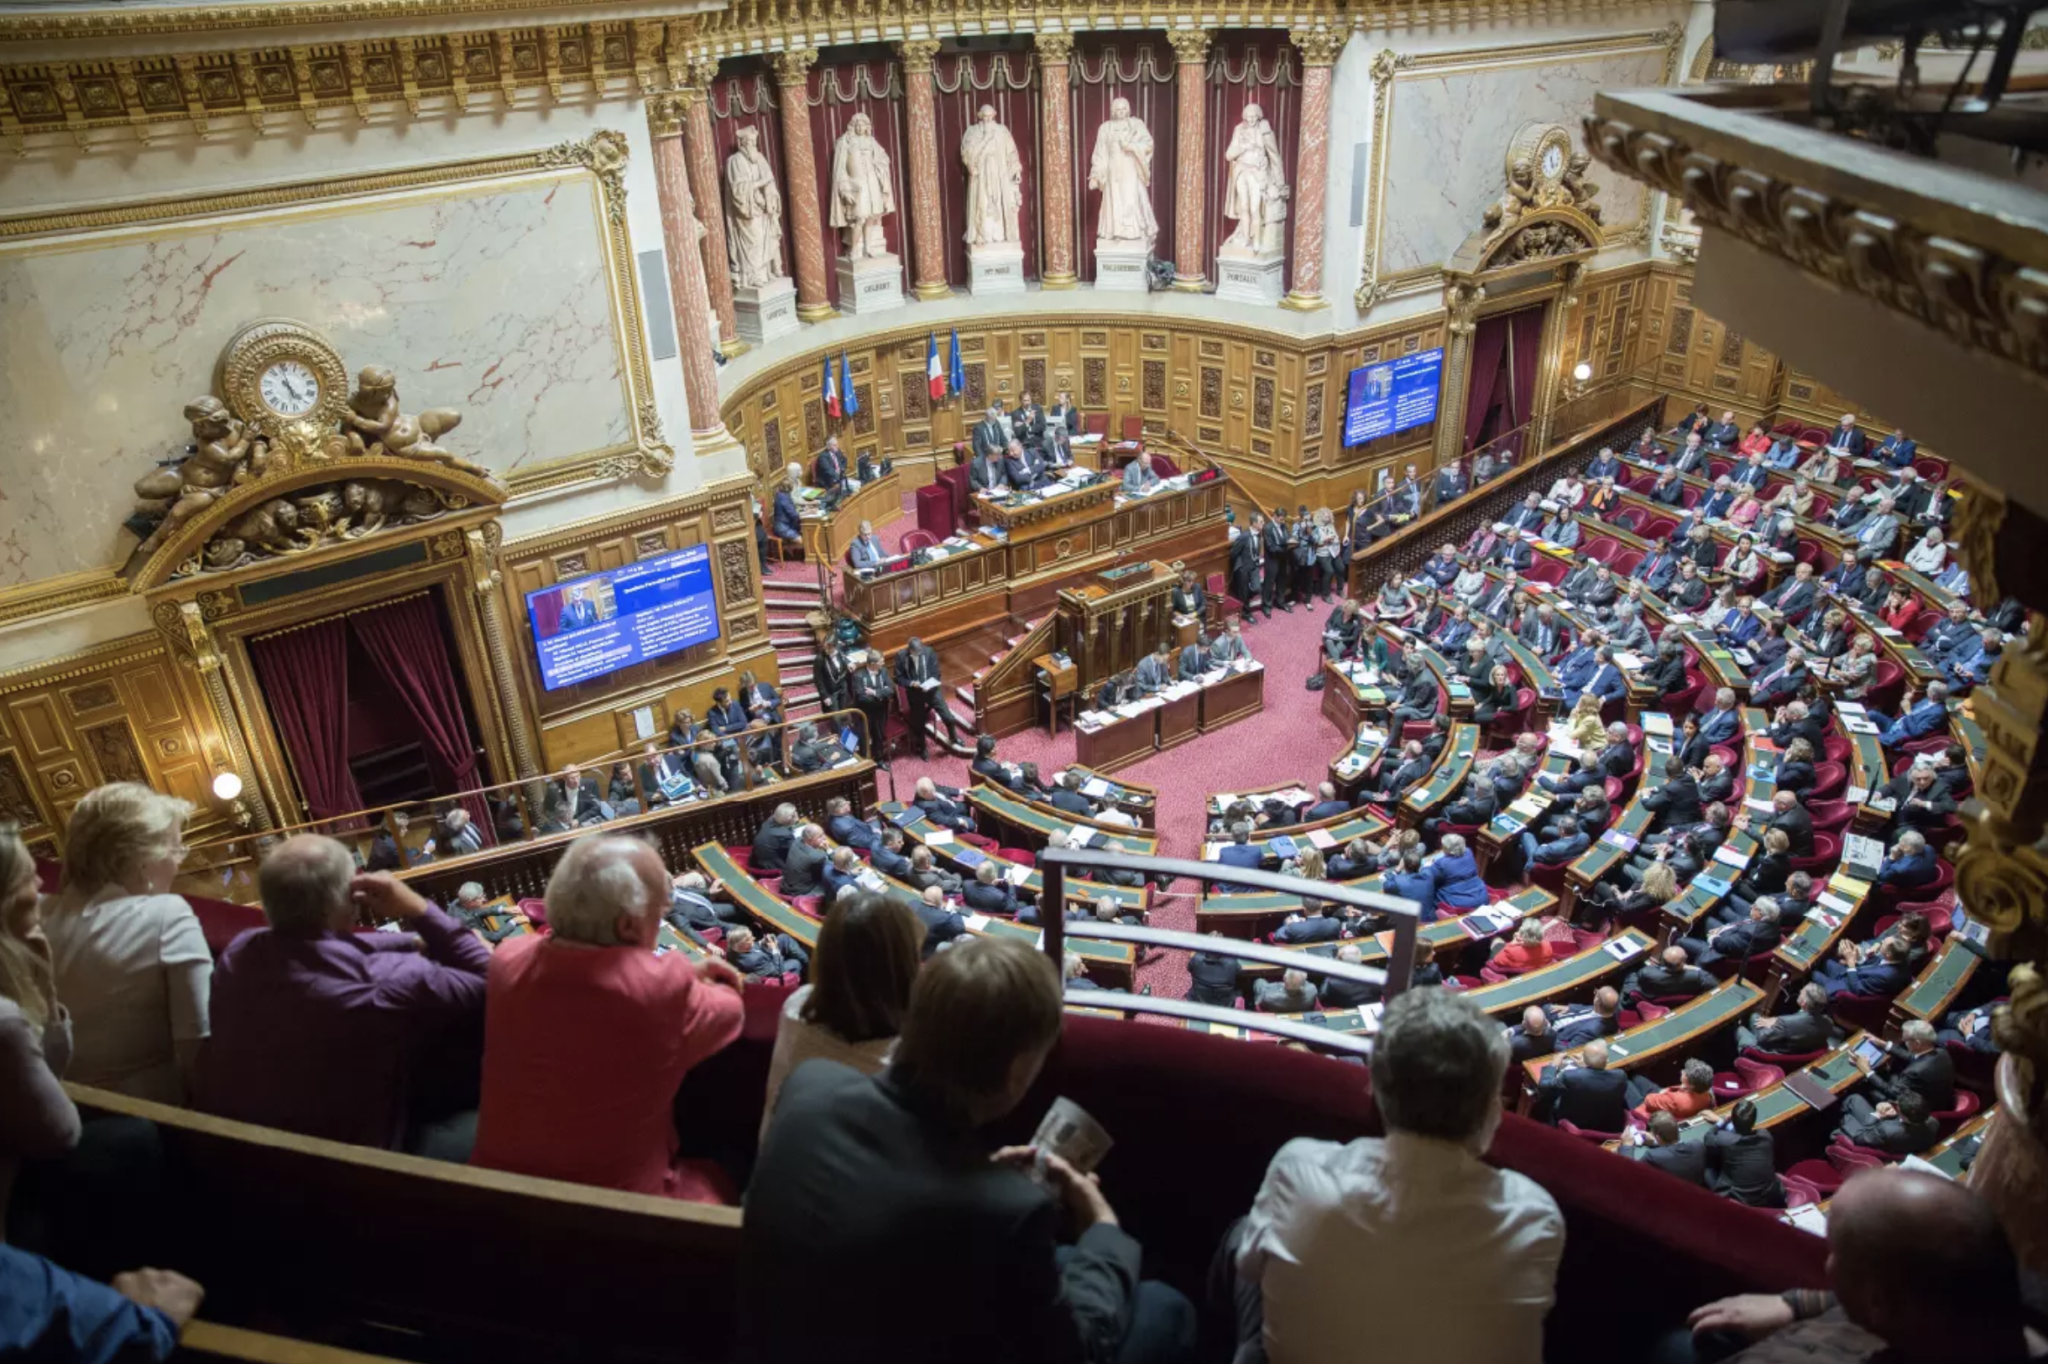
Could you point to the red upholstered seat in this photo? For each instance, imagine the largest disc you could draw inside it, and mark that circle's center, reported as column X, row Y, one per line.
column 1021, row 856
column 1812, row 435
column 917, row 540
column 223, row 922
column 1799, row 1192
column 1785, row 1062
column 1688, row 497
column 535, row 910
column 1096, row 423
column 1834, row 747
column 1940, row 919
column 1830, row 816
column 1848, row 1157
column 1625, row 562
column 48, row 875
column 1508, row 723
column 1730, row 756
column 1930, row 468
column 1805, row 552
column 1134, row 428
column 1613, row 787
column 981, row 841
column 1646, row 1010
column 1827, row 850
column 1659, row 525
column 1932, row 743
column 1219, row 590
column 1549, row 878
column 1966, row 1108
column 812, row 905
column 1572, row 1129
column 1601, row 547
column 1747, row 1078
column 1889, row 898
column 1829, row 781
column 1640, row 483
column 742, row 854
column 1718, row 468
column 1867, row 1012
column 1629, row 518
column 1163, row 464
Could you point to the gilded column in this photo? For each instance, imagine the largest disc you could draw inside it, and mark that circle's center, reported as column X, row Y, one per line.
column 927, row 226
column 1462, row 302
column 702, row 151
column 481, row 547
column 1191, row 53
column 680, row 231
column 1550, row 360
column 1056, row 160
column 190, row 629
column 1319, row 49
column 800, row 169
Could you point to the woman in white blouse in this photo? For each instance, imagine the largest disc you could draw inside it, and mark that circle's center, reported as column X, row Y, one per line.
column 131, row 962
column 1470, row 582
column 1568, row 492
column 867, row 958
column 1930, row 555
column 1744, row 565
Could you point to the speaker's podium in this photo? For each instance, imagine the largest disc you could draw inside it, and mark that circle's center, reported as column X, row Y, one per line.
column 1114, row 619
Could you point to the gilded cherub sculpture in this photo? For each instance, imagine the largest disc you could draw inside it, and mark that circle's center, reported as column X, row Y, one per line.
column 1521, row 197
column 221, row 451
column 374, row 423
column 1582, row 190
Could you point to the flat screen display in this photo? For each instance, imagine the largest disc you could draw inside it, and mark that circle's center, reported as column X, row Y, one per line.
column 1392, row 396
column 588, row 627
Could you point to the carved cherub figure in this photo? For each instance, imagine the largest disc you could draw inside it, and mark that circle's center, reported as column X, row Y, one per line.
column 1520, row 196
column 221, row 450
column 1583, row 191
column 373, row 421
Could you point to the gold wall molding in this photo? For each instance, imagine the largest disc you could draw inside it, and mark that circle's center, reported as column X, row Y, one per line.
column 642, row 517
column 600, row 159
column 1389, row 66
column 65, row 593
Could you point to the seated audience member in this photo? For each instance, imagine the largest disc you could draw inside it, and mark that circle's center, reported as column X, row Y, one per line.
column 1693, row 1094
column 65, row 1318
column 770, row 853
column 1901, row 1127
column 993, row 893
column 1669, row 976
column 41, row 1122
column 1214, row 977
column 1336, row 993
column 1919, row 798
column 1660, row 1148
column 1912, row 864
column 1527, row 952
column 1922, row 1273
column 1969, row 1028
column 1570, row 841
column 316, row 1028
column 1917, row 718
column 942, row 807
column 131, row 963
column 1532, row 1037
column 1578, row 1024
column 1808, row 1028
column 1315, row 923
column 1405, row 1213
column 842, row 872
column 809, row 855
column 1584, row 1092
column 1756, row 936
column 1239, row 852
column 857, row 1171
column 941, row 924
column 766, row 958
column 1853, row 972
column 1293, row 993
column 1916, row 1062
column 868, row 952
column 1742, row 1162
column 1456, row 872
column 588, row 1034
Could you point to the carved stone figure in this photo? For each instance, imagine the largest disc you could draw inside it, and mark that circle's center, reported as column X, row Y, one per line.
column 1121, row 169
column 862, row 195
column 1520, row 196
column 1255, row 192
column 221, row 450
column 270, row 528
column 995, row 181
column 1582, row 190
column 753, row 214
column 373, row 421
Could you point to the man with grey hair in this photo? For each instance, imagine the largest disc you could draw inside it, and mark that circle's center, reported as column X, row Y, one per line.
column 589, row 1033
column 772, row 844
column 804, row 874
column 1293, row 993
column 316, row 1027
column 470, row 896
column 1405, row 1213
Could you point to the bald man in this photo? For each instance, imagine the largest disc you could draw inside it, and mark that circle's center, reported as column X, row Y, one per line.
column 1922, row 1273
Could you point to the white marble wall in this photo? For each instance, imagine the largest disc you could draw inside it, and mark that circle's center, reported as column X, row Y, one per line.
column 1449, row 134
column 494, row 301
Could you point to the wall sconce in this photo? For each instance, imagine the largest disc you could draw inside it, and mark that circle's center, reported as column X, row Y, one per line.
column 227, row 788
column 1582, row 372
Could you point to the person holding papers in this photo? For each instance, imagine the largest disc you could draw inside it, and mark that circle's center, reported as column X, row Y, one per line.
column 1155, row 672
column 1229, row 647
column 985, row 471
column 1188, row 597
column 1342, row 631
column 1847, row 438
column 1194, row 659
column 1139, row 478
column 1912, row 864
column 867, row 552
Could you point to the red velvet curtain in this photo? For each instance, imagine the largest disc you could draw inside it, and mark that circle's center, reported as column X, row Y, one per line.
column 1249, row 67
column 1008, row 83
column 747, row 98
column 403, row 638
column 1526, row 346
column 838, row 92
column 1140, row 68
column 304, row 674
column 1489, row 345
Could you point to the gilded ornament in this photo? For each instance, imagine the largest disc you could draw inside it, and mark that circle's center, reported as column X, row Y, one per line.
column 604, row 155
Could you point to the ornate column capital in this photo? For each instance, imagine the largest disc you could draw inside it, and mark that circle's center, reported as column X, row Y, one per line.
column 1190, row 44
column 793, row 65
column 917, row 54
column 1054, row 49
column 665, row 113
column 1319, row 46
column 1461, row 301
column 701, row 72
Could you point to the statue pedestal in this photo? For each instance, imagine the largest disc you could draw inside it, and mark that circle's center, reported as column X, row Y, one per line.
column 765, row 311
column 873, row 284
column 996, row 269
column 1121, row 266
column 1248, row 277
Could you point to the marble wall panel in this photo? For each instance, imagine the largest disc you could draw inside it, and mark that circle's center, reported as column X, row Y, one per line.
column 495, row 300
column 1448, row 137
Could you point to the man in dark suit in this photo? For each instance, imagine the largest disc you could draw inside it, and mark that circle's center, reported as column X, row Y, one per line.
column 887, row 857
column 845, row 827
column 1855, row 972
column 1239, row 852
column 1028, row 422
column 1794, row 597
column 828, row 470
column 1920, row 799
column 941, row 924
column 1662, row 1150
column 1247, row 564
column 1532, row 1037
column 1450, row 484
column 1396, row 777
column 1847, row 437
column 872, row 693
column 1586, row 1094
column 991, row 435
column 1742, row 1163
column 1214, row 975
column 1327, row 805
column 1315, row 923
column 917, row 669
column 990, row 892
column 1783, row 682
column 770, row 853
column 1273, row 557
column 856, row 1171
column 985, row 472
column 1418, row 699
column 942, row 807
column 1917, row 1062
column 578, row 612
column 1578, row 1024
column 1901, row 1126
column 1669, row 976
column 1808, row 1028
column 1676, row 803
column 804, row 872
column 1756, row 936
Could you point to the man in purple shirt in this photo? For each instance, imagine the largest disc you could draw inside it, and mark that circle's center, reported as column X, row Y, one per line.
column 316, row 1028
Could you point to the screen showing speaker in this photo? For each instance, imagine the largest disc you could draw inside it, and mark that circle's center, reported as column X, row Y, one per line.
column 1392, row 396
column 591, row 626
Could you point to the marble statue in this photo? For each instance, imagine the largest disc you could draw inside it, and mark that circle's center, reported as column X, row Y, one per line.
column 373, row 423
column 862, row 195
column 1255, row 191
column 221, row 450
column 995, row 181
column 1121, row 169
column 753, row 214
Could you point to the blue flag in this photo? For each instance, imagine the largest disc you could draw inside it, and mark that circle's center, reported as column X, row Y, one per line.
column 850, row 399
column 957, row 372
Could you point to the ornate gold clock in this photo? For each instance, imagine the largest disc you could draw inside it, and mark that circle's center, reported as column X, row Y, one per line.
column 1538, row 156
column 276, row 372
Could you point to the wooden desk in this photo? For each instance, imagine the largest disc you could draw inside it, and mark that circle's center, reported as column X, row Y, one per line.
column 1574, row 976
column 1933, row 993
column 1955, row 1155
column 1135, row 799
column 1180, row 720
column 827, row 538
column 917, row 829
column 1453, row 765
column 1345, row 702
column 1673, row 1037
column 1777, row 1104
column 1348, row 769
column 1229, row 700
column 1119, row 743
column 1112, row 620
column 1447, row 937
column 1026, row 824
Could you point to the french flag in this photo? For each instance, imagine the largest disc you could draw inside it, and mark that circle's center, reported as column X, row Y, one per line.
column 935, row 373
column 830, row 390
column 852, row 401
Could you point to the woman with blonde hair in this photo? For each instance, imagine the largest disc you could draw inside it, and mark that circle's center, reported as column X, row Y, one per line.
column 131, row 962
column 1308, row 863
column 37, row 1119
column 1588, row 730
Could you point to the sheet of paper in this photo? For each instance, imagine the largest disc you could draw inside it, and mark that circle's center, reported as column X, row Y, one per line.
column 1018, row 874
column 1095, row 788
column 1728, row 855
column 1320, row 838
column 939, row 838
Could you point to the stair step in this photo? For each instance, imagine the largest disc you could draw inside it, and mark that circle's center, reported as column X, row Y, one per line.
column 807, row 587
column 790, row 641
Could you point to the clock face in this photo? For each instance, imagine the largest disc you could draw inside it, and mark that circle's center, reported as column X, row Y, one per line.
column 289, row 388
column 1553, row 161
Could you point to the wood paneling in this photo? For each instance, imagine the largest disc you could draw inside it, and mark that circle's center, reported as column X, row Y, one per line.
column 125, row 711
column 592, row 719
